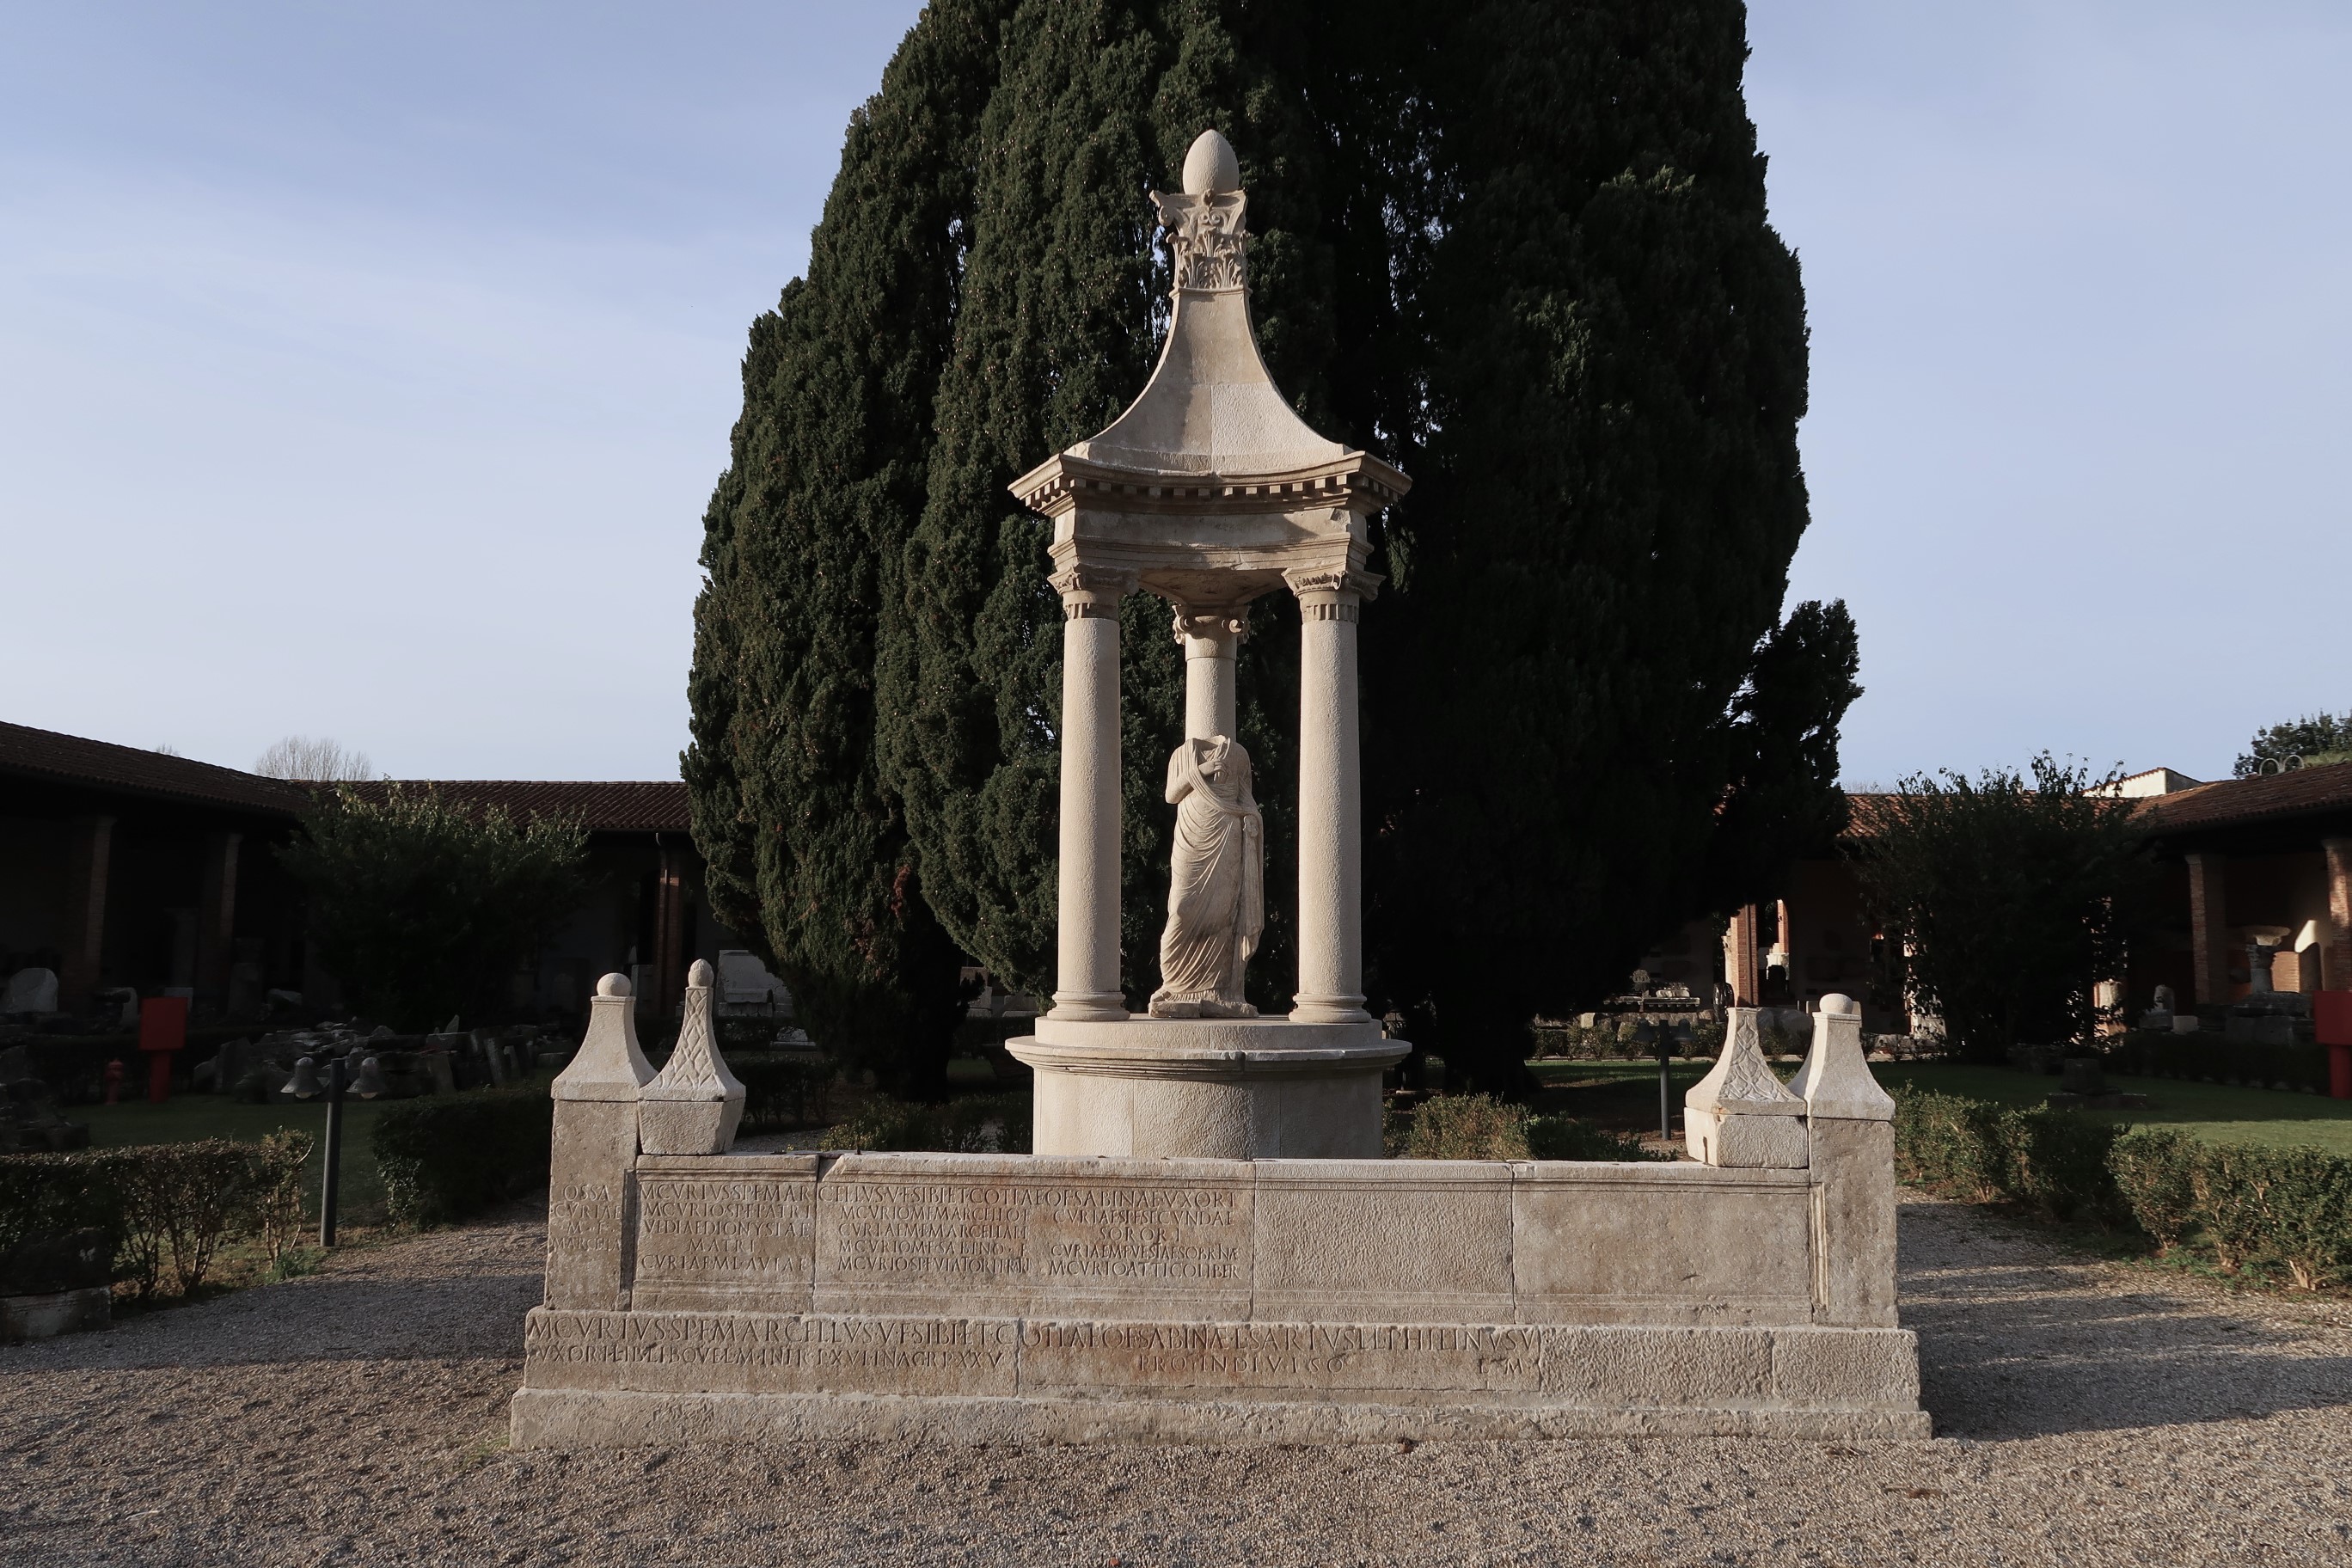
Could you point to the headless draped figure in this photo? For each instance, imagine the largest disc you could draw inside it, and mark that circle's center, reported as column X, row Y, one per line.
column 1216, row 890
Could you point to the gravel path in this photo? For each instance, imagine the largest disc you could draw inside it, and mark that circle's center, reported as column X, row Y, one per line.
column 2090, row 1414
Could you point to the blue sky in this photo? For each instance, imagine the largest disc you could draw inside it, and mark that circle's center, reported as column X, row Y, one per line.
column 365, row 368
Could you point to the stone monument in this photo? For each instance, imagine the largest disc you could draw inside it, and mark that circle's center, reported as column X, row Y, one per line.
column 1211, row 493
column 1167, row 1266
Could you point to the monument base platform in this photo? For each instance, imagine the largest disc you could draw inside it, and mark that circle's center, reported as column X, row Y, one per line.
column 1216, row 1382
column 1232, row 1089
column 985, row 1297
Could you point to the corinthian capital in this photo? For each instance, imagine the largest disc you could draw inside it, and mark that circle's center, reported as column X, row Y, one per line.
column 1209, row 235
column 1333, row 583
column 1088, row 591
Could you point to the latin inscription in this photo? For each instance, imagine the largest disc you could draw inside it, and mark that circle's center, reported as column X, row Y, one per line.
column 723, row 1231
column 1013, row 1233
column 1301, row 1355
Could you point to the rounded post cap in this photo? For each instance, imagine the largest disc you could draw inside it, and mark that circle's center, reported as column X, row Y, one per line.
column 1210, row 167
column 1837, row 1002
column 700, row 973
column 613, row 985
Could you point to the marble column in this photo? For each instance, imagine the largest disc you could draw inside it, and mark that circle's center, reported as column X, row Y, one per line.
column 1210, row 640
column 1086, row 986
column 1330, row 809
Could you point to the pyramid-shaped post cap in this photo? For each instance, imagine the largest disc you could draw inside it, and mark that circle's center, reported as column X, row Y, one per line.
column 1211, row 167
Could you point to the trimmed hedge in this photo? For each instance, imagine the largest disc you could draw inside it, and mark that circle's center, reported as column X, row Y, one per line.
column 452, row 1155
column 2251, row 1207
column 2206, row 1054
column 973, row 1125
column 160, row 1209
column 782, row 1092
column 1478, row 1127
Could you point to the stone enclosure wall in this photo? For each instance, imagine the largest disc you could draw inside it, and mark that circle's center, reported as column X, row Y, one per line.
column 999, row 1297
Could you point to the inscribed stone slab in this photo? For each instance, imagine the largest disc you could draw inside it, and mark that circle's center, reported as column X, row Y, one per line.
column 1603, row 1243
column 1042, row 1236
column 739, row 1231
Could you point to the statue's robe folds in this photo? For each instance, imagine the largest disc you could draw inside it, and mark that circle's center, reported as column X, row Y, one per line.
column 1216, row 890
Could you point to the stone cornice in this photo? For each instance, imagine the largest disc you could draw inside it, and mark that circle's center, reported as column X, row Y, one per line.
column 1064, row 482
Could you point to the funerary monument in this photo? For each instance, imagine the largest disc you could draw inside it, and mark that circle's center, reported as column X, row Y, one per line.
column 1207, row 1244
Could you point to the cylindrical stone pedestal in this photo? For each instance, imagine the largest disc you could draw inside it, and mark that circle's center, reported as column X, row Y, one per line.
column 1233, row 1089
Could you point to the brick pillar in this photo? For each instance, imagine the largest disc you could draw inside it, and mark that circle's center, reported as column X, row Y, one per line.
column 88, row 854
column 216, row 919
column 1740, row 958
column 2335, row 958
column 669, row 932
column 2209, row 924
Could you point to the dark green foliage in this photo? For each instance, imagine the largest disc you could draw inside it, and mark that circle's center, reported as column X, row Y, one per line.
column 1520, row 250
column 2052, row 1161
column 2249, row 1206
column 805, row 840
column 784, row 1090
column 1480, row 1127
column 971, row 1124
column 2152, row 1170
column 2316, row 738
column 424, row 909
column 1566, row 1138
column 2005, row 901
column 164, row 1208
column 453, row 1155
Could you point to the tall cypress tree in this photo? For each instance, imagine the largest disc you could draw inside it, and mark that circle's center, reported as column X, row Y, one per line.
column 1519, row 250
column 802, row 836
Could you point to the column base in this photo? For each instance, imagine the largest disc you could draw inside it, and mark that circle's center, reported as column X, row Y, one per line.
column 1328, row 1010
column 1234, row 1089
column 1089, row 1008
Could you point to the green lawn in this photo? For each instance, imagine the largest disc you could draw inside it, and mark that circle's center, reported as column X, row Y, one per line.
column 1625, row 1094
column 187, row 1117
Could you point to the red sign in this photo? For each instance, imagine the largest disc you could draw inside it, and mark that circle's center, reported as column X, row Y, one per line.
column 164, row 1024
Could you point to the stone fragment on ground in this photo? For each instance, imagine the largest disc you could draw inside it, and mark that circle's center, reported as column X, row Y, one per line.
column 2088, row 1413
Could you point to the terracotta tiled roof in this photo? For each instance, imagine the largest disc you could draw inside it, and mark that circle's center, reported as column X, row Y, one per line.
column 629, row 806
column 2307, row 792
column 48, row 757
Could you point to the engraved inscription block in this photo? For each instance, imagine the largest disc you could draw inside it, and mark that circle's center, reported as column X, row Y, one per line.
column 738, row 1232
column 765, row 1353
column 588, row 1194
column 1119, row 1237
column 1370, row 1359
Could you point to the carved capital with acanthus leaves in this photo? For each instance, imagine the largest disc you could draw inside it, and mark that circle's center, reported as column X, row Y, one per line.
column 1208, row 235
column 1206, row 625
column 1089, row 591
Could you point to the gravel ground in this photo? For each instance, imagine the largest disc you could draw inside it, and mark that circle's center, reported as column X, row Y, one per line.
column 2089, row 1414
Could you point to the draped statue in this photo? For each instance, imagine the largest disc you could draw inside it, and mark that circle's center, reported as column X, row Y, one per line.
column 1216, row 888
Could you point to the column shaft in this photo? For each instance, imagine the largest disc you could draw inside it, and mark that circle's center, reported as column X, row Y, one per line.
column 1331, row 813
column 1087, row 983
column 2209, row 924
column 1209, row 642
column 216, row 919
column 2335, row 958
column 88, row 861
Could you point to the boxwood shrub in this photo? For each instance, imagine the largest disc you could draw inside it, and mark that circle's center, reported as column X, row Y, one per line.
column 448, row 1156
